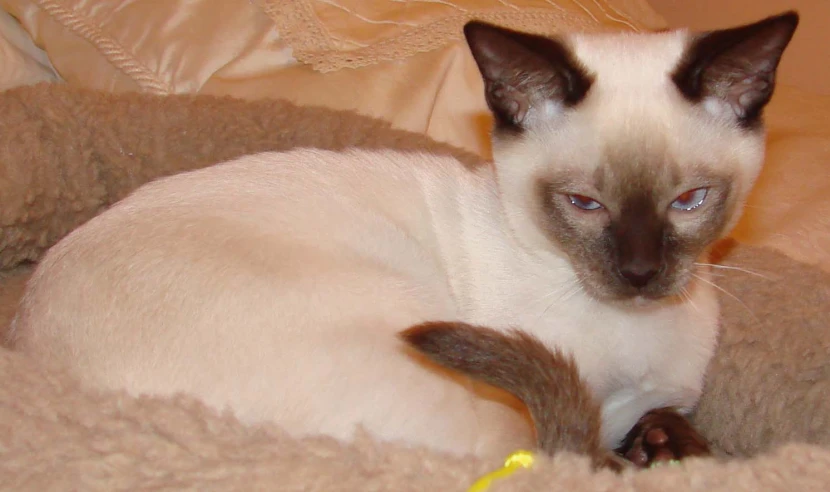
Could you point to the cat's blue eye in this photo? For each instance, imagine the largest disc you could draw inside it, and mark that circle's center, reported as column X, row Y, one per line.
column 690, row 200
column 583, row 202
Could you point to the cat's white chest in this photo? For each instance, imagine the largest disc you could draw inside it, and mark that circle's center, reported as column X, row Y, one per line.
column 634, row 358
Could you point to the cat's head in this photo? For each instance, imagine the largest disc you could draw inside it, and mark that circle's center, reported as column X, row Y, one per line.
column 628, row 153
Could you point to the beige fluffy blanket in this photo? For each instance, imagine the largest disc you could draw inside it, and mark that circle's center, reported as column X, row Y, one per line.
column 66, row 154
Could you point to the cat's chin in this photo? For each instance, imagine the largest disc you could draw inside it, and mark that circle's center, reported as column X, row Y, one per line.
column 636, row 299
column 645, row 302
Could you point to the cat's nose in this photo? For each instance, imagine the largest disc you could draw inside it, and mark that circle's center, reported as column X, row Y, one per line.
column 639, row 275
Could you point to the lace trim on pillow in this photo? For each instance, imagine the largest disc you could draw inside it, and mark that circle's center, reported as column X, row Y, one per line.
column 315, row 43
column 106, row 45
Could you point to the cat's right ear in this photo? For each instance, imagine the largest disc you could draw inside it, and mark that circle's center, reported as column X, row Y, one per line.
column 524, row 75
column 736, row 67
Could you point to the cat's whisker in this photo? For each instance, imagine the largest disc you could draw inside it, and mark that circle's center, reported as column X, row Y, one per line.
column 684, row 293
column 776, row 207
column 545, row 311
column 552, row 296
column 569, row 292
column 575, row 289
column 735, row 268
column 717, row 274
column 564, row 292
column 587, row 303
column 726, row 292
column 560, row 296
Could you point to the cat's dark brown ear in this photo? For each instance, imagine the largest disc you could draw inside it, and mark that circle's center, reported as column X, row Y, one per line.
column 523, row 72
column 736, row 66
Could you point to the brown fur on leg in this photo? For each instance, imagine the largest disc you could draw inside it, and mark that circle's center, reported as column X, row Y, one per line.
column 564, row 413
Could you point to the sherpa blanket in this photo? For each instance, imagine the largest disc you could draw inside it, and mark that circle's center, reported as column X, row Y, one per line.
column 66, row 154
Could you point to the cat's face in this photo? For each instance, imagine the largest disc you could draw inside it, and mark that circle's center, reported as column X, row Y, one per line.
column 630, row 154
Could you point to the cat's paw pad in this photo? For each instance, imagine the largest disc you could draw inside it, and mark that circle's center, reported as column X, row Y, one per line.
column 662, row 436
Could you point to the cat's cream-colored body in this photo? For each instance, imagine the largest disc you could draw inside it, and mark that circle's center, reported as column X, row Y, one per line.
column 275, row 286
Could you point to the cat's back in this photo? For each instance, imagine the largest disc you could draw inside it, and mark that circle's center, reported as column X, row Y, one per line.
column 304, row 183
column 301, row 196
column 237, row 243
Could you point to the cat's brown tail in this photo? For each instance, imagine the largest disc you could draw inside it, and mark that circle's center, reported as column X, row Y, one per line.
column 564, row 413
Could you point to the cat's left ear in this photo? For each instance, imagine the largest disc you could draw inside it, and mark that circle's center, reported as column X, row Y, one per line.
column 737, row 66
column 524, row 74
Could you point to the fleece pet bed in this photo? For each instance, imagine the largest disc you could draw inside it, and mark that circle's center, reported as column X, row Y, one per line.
column 66, row 154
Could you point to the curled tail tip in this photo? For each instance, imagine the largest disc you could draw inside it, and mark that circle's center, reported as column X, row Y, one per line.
column 454, row 345
column 418, row 334
column 444, row 338
column 427, row 337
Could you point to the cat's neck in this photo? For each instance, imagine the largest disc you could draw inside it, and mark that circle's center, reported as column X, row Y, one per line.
column 486, row 264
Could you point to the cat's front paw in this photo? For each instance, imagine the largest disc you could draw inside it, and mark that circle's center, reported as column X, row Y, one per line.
column 662, row 435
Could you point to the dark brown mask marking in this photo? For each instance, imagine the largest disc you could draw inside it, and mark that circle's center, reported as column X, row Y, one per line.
column 639, row 238
column 631, row 247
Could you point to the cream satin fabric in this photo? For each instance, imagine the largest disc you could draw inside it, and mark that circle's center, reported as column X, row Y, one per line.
column 807, row 64
column 179, row 45
column 21, row 62
column 160, row 47
column 335, row 34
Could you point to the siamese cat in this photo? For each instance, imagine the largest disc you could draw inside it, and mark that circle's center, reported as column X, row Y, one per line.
column 276, row 285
